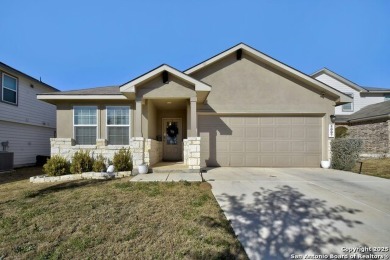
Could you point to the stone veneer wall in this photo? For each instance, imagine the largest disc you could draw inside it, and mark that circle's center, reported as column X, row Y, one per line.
column 154, row 152
column 143, row 150
column 375, row 136
column 191, row 152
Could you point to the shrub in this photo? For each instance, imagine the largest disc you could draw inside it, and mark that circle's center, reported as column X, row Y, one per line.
column 99, row 164
column 341, row 132
column 345, row 153
column 123, row 160
column 56, row 166
column 81, row 162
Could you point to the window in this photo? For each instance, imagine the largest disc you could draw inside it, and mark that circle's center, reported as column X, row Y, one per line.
column 118, row 126
column 9, row 89
column 85, row 124
column 387, row 97
column 348, row 107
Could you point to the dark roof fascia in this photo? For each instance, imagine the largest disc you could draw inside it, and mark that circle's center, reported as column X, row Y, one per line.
column 241, row 43
column 164, row 64
column 27, row 76
column 185, row 71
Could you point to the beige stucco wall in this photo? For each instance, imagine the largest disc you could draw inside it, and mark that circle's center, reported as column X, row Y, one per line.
column 248, row 86
column 65, row 116
column 175, row 88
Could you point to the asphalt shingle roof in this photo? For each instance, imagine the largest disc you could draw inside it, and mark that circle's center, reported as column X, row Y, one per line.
column 107, row 90
column 370, row 111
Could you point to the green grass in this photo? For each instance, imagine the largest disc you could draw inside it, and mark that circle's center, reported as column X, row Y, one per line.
column 111, row 219
column 375, row 167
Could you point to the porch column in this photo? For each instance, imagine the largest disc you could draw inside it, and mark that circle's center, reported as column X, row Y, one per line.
column 193, row 117
column 138, row 118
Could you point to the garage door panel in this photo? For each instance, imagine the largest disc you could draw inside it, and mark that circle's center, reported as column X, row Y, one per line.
column 252, row 132
column 223, row 147
column 297, row 120
column 267, row 133
column 312, row 121
column 297, row 132
column 237, row 159
column 267, row 147
column 283, row 133
column 312, row 147
column 252, row 160
column 312, row 133
column 267, row 161
column 298, row 161
column 252, row 121
column 283, row 121
column 297, row 146
column 237, row 146
column 260, row 141
column 236, row 121
column 251, row 147
column 282, row 161
column 283, row 147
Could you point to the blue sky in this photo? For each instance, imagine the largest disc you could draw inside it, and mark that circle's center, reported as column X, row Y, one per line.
column 80, row 44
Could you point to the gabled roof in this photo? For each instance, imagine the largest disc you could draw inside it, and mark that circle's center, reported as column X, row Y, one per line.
column 339, row 78
column 371, row 112
column 130, row 86
column 340, row 97
column 13, row 70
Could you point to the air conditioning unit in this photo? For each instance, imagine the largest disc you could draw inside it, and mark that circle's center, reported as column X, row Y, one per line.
column 6, row 161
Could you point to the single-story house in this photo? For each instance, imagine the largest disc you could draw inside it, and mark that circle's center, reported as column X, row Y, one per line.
column 238, row 108
column 370, row 124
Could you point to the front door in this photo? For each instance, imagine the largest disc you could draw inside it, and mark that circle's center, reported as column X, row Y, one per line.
column 173, row 139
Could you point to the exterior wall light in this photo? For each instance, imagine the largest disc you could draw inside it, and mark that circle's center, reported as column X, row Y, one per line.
column 332, row 118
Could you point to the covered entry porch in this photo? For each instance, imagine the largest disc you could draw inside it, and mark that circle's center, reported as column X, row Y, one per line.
column 165, row 117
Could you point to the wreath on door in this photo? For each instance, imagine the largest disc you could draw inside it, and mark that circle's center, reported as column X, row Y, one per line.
column 172, row 131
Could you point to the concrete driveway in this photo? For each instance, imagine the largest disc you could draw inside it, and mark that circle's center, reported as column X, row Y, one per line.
column 298, row 213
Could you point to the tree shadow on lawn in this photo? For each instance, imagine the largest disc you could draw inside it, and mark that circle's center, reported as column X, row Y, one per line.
column 282, row 222
column 19, row 174
column 66, row 186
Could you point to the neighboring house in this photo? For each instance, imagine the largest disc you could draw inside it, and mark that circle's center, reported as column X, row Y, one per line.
column 366, row 117
column 26, row 124
column 238, row 108
column 372, row 125
column 362, row 96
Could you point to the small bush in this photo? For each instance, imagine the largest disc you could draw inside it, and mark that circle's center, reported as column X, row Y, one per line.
column 56, row 166
column 341, row 132
column 123, row 160
column 81, row 162
column 99, row 164
column 345, row 153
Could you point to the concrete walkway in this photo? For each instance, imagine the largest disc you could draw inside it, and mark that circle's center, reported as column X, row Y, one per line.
column 167, row 177
column 298, row 213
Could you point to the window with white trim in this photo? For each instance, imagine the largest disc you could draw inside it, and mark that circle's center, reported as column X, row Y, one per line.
column 387, row 97
column 85, row 124
column 118, row 125
column 348, row 107
column 9, row 89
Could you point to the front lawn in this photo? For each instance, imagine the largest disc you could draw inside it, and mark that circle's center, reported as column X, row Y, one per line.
column 111, row 219
column 375, row 167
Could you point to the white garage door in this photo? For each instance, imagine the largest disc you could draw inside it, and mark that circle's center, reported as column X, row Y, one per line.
column 260, row 141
